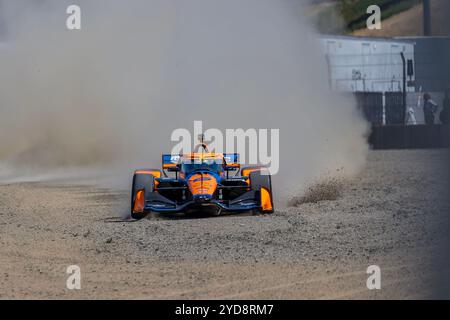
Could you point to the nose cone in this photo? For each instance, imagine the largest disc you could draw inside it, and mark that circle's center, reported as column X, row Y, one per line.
column 202, row 185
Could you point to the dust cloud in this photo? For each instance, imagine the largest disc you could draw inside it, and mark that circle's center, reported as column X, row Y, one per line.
column 108, row 96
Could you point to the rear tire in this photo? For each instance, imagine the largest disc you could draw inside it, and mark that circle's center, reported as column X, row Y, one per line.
column 144, row 182
column 258, row 181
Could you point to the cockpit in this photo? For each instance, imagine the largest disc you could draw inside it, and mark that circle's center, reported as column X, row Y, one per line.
column 213, row 165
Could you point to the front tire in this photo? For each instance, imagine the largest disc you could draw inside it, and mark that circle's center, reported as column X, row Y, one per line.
column 145, row 183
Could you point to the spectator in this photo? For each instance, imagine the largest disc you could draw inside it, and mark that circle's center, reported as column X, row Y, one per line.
column 445, row 113
column 429, row 109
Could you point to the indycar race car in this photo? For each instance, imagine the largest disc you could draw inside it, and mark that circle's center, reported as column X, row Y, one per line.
column 201, row 182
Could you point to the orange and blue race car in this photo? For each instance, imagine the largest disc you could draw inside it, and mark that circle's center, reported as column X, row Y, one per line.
column 201, row 182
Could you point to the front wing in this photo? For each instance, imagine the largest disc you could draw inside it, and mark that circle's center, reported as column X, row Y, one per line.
column 157, row 203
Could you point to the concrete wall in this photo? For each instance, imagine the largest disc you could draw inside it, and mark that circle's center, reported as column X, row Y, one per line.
column 410, row 137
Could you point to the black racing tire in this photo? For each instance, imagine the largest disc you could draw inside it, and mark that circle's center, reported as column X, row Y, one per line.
column 258, row 181
column 144, row 182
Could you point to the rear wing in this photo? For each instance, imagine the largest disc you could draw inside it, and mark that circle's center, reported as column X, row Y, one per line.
column 170, row 160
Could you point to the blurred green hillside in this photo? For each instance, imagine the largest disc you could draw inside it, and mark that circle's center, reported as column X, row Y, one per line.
column 345, row 16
